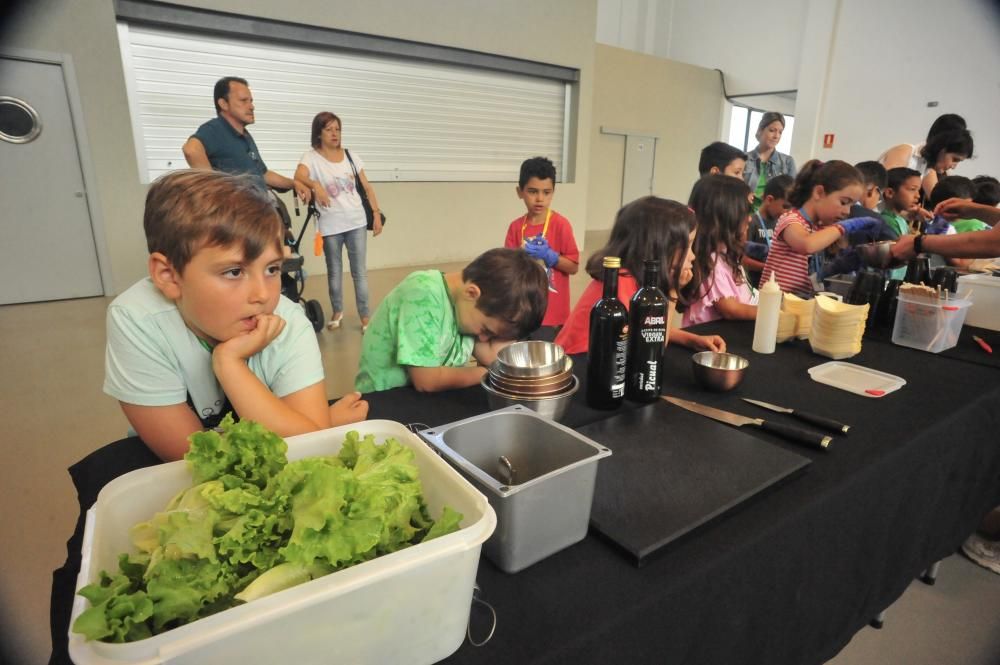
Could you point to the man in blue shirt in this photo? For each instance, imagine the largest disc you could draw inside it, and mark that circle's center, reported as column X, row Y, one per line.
column 224, row 144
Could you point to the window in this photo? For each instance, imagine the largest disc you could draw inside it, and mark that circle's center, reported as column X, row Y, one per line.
column 410, row 119
column 743, row 123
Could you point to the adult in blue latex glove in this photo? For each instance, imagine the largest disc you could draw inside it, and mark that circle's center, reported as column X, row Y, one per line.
column 937, row 226
column 538, row 248
column 859, row 225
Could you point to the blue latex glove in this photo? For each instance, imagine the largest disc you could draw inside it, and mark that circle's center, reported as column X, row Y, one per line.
column 756, row 250
column 538, row 248
column 859, row 224
column 937, row 226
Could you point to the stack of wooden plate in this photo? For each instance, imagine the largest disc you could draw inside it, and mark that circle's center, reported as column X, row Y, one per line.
column 803, row 311
column 786, row 326
column 837, row 328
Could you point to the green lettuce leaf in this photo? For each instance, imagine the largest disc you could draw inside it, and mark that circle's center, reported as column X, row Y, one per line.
column 450, row 521
column 118, row 610
column 245, row 450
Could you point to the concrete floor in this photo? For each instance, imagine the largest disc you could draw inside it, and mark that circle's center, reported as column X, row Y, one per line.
column 54, row 413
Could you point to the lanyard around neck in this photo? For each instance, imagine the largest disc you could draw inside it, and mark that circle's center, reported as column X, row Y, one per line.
column 545, row 227
column 205, row 345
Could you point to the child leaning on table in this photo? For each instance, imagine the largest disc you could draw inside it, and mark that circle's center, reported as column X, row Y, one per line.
column 550, row 234
column 647, row 228
column 432, row 324
column 821, row 198
column 208, row 331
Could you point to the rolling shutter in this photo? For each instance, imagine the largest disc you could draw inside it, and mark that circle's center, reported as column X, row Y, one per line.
column 410, row 120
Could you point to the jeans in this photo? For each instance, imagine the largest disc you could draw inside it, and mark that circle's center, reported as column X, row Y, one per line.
column 357, row 244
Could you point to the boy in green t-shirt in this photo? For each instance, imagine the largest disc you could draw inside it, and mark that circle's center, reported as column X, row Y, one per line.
column 900, row 200
column 432, row 324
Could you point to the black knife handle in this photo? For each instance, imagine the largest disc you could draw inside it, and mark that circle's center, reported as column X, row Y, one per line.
column 798, row 434
column 821, row 421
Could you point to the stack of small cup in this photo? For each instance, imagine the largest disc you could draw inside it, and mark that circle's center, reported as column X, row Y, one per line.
column 535, row 374
column 837, row 328
column 803, row 311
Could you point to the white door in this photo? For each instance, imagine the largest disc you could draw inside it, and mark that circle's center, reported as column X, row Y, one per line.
column 637, row 178
column 47, row 249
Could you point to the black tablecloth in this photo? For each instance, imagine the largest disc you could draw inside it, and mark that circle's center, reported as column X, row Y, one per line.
column 789, row 577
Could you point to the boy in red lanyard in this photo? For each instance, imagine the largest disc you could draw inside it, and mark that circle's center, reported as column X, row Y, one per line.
column 545, row 235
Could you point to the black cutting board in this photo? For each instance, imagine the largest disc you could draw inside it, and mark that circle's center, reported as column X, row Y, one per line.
column 673, row 471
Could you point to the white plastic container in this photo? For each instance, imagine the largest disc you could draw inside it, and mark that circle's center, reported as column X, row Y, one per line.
column 928, row 326
column 985, row 309
column 410, row 606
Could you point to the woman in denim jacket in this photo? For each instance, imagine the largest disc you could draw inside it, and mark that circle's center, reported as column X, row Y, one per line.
column 765, row 162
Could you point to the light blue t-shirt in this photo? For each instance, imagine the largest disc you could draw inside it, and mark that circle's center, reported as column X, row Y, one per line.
column 153, row 358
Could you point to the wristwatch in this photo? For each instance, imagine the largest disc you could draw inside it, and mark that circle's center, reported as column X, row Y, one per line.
column 918, row 244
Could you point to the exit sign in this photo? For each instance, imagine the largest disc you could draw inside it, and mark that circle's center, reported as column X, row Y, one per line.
column 827, row 140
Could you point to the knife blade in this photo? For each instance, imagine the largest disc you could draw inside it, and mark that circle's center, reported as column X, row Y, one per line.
column 804, row 416
column 796, row 434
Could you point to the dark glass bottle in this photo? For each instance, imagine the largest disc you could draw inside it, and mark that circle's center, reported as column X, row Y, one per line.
column 608, row 343
column 647, row 332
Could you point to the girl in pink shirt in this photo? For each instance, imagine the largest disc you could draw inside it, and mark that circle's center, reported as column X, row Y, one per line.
column 720, row 288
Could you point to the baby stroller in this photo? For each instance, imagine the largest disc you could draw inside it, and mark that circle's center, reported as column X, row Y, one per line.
column 293, row 276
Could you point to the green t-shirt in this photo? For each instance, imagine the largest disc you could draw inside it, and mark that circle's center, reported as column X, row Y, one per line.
column 758, row 195
column 969, row 225
column 899, row 225
column 414, row 326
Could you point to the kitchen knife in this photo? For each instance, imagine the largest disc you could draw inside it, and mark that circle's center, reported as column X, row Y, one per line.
column 796, row 434
column 804, row 416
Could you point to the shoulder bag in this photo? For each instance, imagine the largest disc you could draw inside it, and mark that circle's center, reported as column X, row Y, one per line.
column 365, row 203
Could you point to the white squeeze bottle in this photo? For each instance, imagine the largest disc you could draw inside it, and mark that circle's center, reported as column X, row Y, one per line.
column 765, row 330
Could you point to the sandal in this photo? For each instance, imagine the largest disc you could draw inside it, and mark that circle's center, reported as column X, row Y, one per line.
column 334, row 322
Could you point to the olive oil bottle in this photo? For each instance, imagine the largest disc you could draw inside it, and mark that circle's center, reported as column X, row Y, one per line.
column 647, row 333
column 608, row 343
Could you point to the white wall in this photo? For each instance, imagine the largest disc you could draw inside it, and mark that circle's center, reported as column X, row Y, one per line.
column 756, row 44
column 864, row 70
column 880, row 80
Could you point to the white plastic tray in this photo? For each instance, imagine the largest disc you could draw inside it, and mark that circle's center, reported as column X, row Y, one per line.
column 411, row 606
column 856, row 379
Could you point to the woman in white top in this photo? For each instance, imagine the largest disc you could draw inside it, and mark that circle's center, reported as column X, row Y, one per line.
column 948, row 143
column 327, row 171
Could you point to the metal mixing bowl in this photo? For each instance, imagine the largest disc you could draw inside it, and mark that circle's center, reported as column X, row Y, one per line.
column 531, row 359
column 552, row 407
column 878, row 255
column 718, row 371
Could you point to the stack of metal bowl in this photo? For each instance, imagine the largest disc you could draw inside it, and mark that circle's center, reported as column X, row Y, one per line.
column 535, row 374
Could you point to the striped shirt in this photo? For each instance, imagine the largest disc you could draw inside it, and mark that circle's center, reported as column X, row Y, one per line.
column 791, row 269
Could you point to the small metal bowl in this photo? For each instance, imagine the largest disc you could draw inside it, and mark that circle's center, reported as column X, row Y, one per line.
column 552, row 407
column 530, row 391
column 718, row 371
column 535, row 382
column 878, row 255
column 531, row 359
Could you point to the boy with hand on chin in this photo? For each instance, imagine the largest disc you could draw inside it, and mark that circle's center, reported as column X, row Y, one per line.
column 208, row 331
column 545, row 234
column 432, row 324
